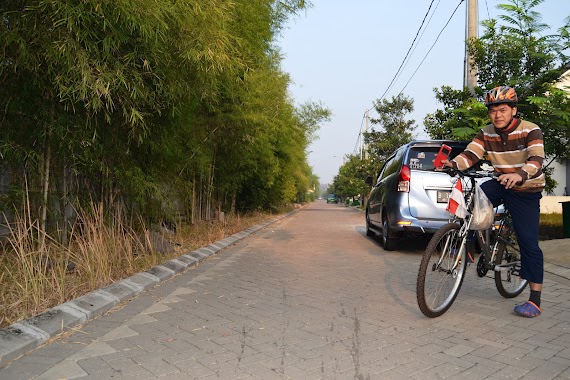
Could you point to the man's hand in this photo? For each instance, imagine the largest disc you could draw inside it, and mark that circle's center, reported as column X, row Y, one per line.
column 510, row 180
column 447, row 163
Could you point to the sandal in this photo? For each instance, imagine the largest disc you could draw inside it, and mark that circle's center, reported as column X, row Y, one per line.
column 528, row 310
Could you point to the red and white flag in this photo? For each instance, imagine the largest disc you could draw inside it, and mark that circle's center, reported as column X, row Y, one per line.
column 456, row 203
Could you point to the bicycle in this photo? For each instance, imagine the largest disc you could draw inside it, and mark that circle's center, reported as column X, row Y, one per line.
column 444, row 261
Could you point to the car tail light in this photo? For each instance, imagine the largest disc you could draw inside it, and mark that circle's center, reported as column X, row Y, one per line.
column 404, row 179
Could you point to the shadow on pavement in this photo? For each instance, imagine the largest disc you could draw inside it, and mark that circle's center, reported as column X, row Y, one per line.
column 416, row 244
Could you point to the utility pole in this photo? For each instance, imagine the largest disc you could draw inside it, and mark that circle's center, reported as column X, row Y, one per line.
column 470, row 74
column 365, row 145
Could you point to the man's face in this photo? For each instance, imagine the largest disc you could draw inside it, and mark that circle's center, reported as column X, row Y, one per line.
column 501, row 115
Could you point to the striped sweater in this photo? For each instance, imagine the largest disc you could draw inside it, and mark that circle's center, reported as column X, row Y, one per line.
column 519, row 148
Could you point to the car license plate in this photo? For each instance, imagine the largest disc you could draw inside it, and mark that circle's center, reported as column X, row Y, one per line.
column 443, row 196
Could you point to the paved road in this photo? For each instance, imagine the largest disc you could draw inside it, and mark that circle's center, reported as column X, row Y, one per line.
column 311, row 297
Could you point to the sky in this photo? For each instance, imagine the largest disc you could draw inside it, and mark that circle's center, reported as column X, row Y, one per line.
column 345, row 54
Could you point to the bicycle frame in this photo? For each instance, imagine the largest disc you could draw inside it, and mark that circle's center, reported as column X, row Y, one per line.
column 483, row 237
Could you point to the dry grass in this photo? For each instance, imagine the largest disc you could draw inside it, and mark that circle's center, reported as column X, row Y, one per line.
column 104, row 248
column 550, row 226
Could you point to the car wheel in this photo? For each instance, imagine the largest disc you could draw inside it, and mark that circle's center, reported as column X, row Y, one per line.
column 388, row 241
column 369, row 232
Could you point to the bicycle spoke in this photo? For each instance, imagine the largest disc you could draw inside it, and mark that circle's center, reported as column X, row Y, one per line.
column 441, row 271
column 508, row 265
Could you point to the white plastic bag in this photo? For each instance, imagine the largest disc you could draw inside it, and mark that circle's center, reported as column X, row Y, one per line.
column 483, row 214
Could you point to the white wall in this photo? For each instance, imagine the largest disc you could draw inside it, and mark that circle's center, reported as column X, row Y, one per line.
column 559, row 174
column 561, row 170
column 551, row 205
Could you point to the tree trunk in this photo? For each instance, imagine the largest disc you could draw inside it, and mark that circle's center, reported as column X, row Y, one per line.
column 210, row 192
column 65, row 202
column 200, row 194
column 192, row 216
column 45, row 192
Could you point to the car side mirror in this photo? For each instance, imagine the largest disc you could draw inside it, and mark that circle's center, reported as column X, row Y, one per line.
column 369, row 180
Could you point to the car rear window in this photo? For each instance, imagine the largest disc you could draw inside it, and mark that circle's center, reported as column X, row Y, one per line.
column 422, row 157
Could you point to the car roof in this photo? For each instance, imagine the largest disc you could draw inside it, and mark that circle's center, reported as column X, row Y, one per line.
column 428, row 143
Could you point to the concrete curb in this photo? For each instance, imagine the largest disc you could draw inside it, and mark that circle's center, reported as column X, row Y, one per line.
column 23, row 336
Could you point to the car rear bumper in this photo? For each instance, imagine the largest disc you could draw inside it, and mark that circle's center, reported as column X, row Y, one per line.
column 414, row 226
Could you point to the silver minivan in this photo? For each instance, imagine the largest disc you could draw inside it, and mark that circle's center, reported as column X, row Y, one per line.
column 409, row 196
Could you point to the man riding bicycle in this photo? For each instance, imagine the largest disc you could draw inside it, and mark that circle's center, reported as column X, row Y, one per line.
column 516, row 150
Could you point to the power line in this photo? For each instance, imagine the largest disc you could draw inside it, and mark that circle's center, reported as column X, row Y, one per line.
column 487, row 6
column 432, row 46
column 359, row 135
column 421, row 35
column 408, row 53
column 412, row 48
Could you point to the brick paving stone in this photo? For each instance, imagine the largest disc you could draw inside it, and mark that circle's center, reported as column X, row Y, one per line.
column 415, row 367
column 543, row 353
column 392, row 374
column 546, row 371
column 561, row 341
column 193, row 369
column 516, row 345
column 29, row 371
column 526, row 362
column 214, row 361
column 476, row 372
column 486, row 362
column 126, row 365
column 441, row 343
column 157, row 366
column 243, row 360
column 94, row 365
column 559, row 360
column 488, row 351
column 511, row 372
column 438, row 372
column 564, row 353
column 57, row 351
column 459, row 350
column 553, row 345
column 222, row 373
column 464, row 362
column 311, row 297
column 516, row 352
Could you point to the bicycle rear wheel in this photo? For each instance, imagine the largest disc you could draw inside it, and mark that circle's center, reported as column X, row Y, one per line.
column 507, row 279
column 438, row 280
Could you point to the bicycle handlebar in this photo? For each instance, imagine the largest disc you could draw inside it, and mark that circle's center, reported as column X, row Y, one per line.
column 471, row 173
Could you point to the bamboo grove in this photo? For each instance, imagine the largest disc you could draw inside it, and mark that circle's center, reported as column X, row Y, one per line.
column 160, row 106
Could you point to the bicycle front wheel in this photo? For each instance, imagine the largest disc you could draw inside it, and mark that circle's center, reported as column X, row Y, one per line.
column 440, row 276
column 507, row 272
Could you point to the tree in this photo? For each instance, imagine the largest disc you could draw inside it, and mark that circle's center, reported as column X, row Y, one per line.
column 150, row 104
column 553, row 110
column 351, row 177
column 519, row 54
column 396, row 129
column 442, row 123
